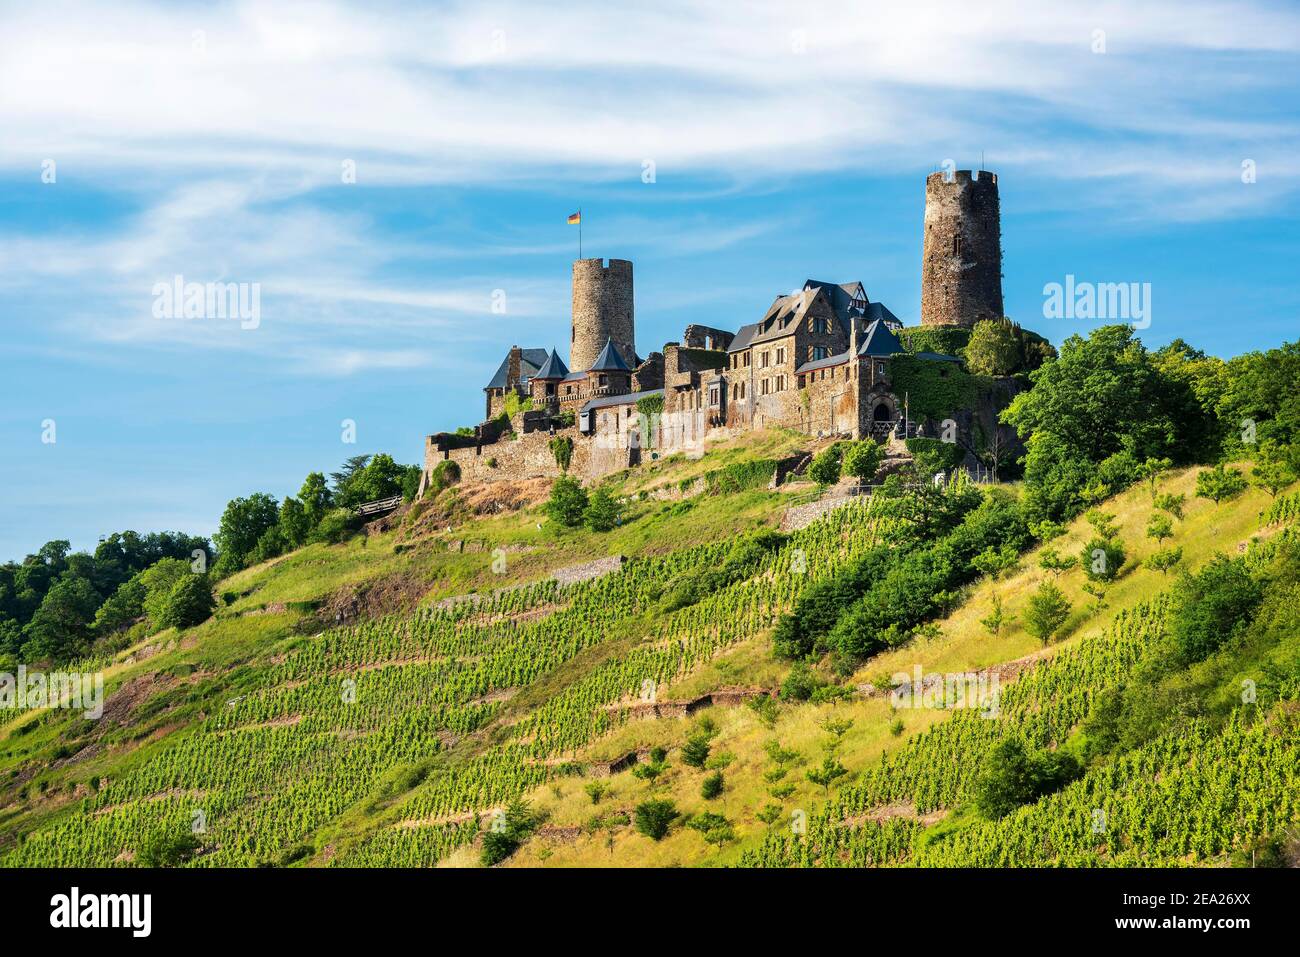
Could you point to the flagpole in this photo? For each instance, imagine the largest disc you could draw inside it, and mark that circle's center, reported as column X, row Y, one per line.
column 579, row 232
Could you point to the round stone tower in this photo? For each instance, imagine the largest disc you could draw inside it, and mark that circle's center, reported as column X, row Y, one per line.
column 961, row 261
column 602, row 309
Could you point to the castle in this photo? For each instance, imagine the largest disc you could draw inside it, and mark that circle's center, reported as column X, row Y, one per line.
column 818, row 361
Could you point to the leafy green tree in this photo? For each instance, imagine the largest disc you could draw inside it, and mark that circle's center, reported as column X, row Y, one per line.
column 1046, row 611
column 1219, row 483
column 715, row 828
column 654, row 818
column 712, row 786
column 1012, row 775
column 696, row 751
column 1173, row 504
column 1051, row 561
column 1273, row 470
column 993, row 348
column 1212, row 607
column 188, row 603
column 568, row 502
column 825, row 466
column 122, row 608
column 603, row 512
column 60, row 628
column 1163, row 559
column 827, row 774
column 996, row 561
column 243, row 523
column 158, row 580
column 508, row 831
column 862, row 459
column 1160, row 527
column 167, row 848
column 294, row 526
column 315, row 498
column 596, row 790
column 1102, row 559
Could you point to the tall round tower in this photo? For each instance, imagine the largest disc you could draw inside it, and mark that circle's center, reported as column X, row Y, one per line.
column 961, row 261
column 602, row 309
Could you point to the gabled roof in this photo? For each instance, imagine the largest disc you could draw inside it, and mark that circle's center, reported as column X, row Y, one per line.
column 553, row 369
column 530, row 360
column 879, row 311
column 784, row 315
column 575, row 376
column 842, row 296
column 609, row 360
column 879, row 340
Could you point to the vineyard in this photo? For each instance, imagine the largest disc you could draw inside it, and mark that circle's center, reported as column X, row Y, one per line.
column 427, row 698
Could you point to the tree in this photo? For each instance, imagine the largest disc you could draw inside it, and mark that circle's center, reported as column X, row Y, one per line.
column 993, row 348
column 243, row 523
column 696, row 751
column 596, row 790
column 1102, row 559
column 189, row 603
column 1160, row 527
column 167, row 848
column 654, row 818
column 830, row 771
column 996, row 561
column 1173, row 504
column 825, row 466
column 508, row 831
column 60, row 628
column 294, row 525
column 568, row 502
column 1211, row 607
column 712, row 786
column 1273, row 469
column 1012, row 775
column 715, row 828
column 1163, row 559
column 996, row 619
column 603, row 512
column 1152, row 469
column 1219, row 483
column 1046, row 612
column 1049, row 560
column 158, row 580
column 315, row 498
column 862, row 459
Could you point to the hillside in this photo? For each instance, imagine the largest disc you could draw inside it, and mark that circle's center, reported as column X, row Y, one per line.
column 383, row 701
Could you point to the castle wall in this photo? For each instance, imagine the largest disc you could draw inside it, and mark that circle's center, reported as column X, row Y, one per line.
column 602, row 309
column 528, row 456
column 961, row 262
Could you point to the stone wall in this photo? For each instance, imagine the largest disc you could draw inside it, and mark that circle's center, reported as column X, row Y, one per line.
column 528, row 456
column 961, row 261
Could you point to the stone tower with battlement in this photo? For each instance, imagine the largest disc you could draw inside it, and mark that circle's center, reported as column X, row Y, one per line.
column 602, row 309
column 961, row 260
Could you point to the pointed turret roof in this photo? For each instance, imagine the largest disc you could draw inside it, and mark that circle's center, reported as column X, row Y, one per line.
column 553, row 369
column 609, row 360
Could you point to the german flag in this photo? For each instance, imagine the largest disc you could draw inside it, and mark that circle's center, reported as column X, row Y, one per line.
column 575, row 218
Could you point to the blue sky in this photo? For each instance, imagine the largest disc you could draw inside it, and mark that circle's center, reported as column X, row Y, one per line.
column 788, row 142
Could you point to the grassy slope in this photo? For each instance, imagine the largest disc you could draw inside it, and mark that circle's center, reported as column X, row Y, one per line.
column 963, row 645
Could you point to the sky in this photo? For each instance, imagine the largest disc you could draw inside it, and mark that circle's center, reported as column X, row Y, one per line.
column 393, row 181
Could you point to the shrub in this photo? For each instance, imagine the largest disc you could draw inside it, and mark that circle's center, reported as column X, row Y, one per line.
column 443, row 475
column 188, row 603
column 1219, row 483
column 1211, row 607
column 1012, row 775
column 562, row 448
column 862, row 459
column 696, row 751
column 167, row 848
column 603, row 512
column 568, row 502
column 800, row 683
column 654, row 818
column 508, row 832
column 1046, row 612
column 1102, row 559
column 338, row 525
column 712, row 786
column 825, row 466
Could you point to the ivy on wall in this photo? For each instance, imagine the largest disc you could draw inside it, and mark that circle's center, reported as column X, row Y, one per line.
column 934, row 390
column 945, row 340
column 650, row 405
column 562, row 449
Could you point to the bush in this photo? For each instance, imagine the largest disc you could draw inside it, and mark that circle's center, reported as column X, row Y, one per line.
column 562, row 448
column 188, row 603
column 1046, row 612
column 603, row 512
column 825, row 466
column 933, row 456
column 712, row 786
column 1102, row 559
column 862, row 459
column 654, row 818
column 503, row 839
column 800, row 683
column 1012, row 775
column 338, row 525
column 1219, row 483
column 443, row 475
column 1212, row 607
column 568, row 502
column 696, row 751
column 167, row 848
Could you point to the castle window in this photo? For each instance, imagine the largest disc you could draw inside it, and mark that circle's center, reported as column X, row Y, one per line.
column 780, row 383
column 780, row 356
column 956, row 245
column 604, row 380
column 747, row 355
column 880, row 368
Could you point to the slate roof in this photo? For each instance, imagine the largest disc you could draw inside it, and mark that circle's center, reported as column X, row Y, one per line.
column 783, row 316
column 879, row 311
column 744, row 336
column 879, row 340
column 627, row 398
column 530, row 360
column 609, row 360
column 937, row 357
column 841, row 296
column 815, row 364
column 553, row 369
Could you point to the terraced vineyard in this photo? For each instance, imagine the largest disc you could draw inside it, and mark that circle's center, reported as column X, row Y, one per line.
column 422, row 709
